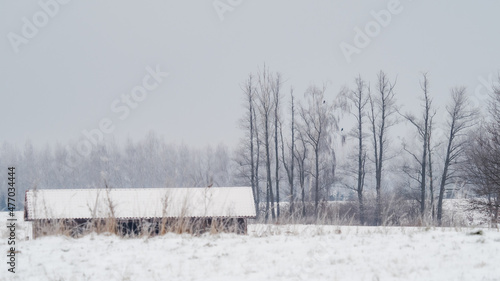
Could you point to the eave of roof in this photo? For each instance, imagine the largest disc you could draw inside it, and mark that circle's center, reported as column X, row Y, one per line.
column 144, row 203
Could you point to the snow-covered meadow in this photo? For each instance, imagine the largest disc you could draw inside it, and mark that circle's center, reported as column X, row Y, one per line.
column 268, row 252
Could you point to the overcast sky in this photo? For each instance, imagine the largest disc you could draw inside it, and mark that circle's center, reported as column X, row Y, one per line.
column 67, row 67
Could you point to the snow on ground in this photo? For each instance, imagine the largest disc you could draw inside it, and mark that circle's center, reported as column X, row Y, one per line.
column 292, row 252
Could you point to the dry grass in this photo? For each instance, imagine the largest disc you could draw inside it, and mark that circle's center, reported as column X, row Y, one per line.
column 395, row 212
column 147, row 227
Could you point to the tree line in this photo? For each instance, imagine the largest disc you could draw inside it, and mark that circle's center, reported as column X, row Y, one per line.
column 297, row 158
column 146, row 163
column 289, row 152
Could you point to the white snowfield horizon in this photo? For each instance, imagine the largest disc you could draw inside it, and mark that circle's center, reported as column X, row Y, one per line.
column 268, row 252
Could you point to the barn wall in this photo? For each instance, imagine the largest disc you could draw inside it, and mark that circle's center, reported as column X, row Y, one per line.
column 138, row 227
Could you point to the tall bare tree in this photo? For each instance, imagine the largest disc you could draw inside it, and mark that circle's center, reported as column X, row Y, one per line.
column 275, row 87
column 317, row 124
column 460, row 118
column 265, row 113
column 289, row 164
column 257, row 162
column 382, row 110
column 354, row 102
column 423, row 128
column 249, row 122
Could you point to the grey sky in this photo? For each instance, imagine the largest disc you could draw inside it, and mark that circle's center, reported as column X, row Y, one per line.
column 65, row 79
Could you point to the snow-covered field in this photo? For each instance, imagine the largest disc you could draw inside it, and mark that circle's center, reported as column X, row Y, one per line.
column 295, row 252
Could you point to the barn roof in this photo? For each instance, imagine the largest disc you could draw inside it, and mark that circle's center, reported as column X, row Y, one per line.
column 139, row 203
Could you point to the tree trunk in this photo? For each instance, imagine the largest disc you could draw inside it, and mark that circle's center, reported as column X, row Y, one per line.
column 431, row 181
column 270, row 197
column 277, row 156
column 252, row 164
column 379, row 175
column 423, row 175
column 444, row 176
column 361, row 156
column 441, row 191
column 291, row 178
column 316, row 183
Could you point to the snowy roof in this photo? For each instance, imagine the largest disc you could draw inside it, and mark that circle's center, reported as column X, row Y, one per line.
column 139, row 203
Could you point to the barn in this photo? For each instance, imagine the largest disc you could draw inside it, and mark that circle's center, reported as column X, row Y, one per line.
column 139, row 211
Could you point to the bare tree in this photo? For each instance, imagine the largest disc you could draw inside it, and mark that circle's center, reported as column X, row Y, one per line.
column 423, row 128
column 460, row 118
column 265, row 112
column 290, row 163
column 483, row 169
column 301, row 154
column 257, row 162
column 317, row 124
column 249, row 92
column 483, row 164
column 358, row 99
column 382, row 109
column 430, row 150
column 275, row 87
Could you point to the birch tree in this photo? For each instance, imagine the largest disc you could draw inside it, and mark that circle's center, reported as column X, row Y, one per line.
column 317, row 122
